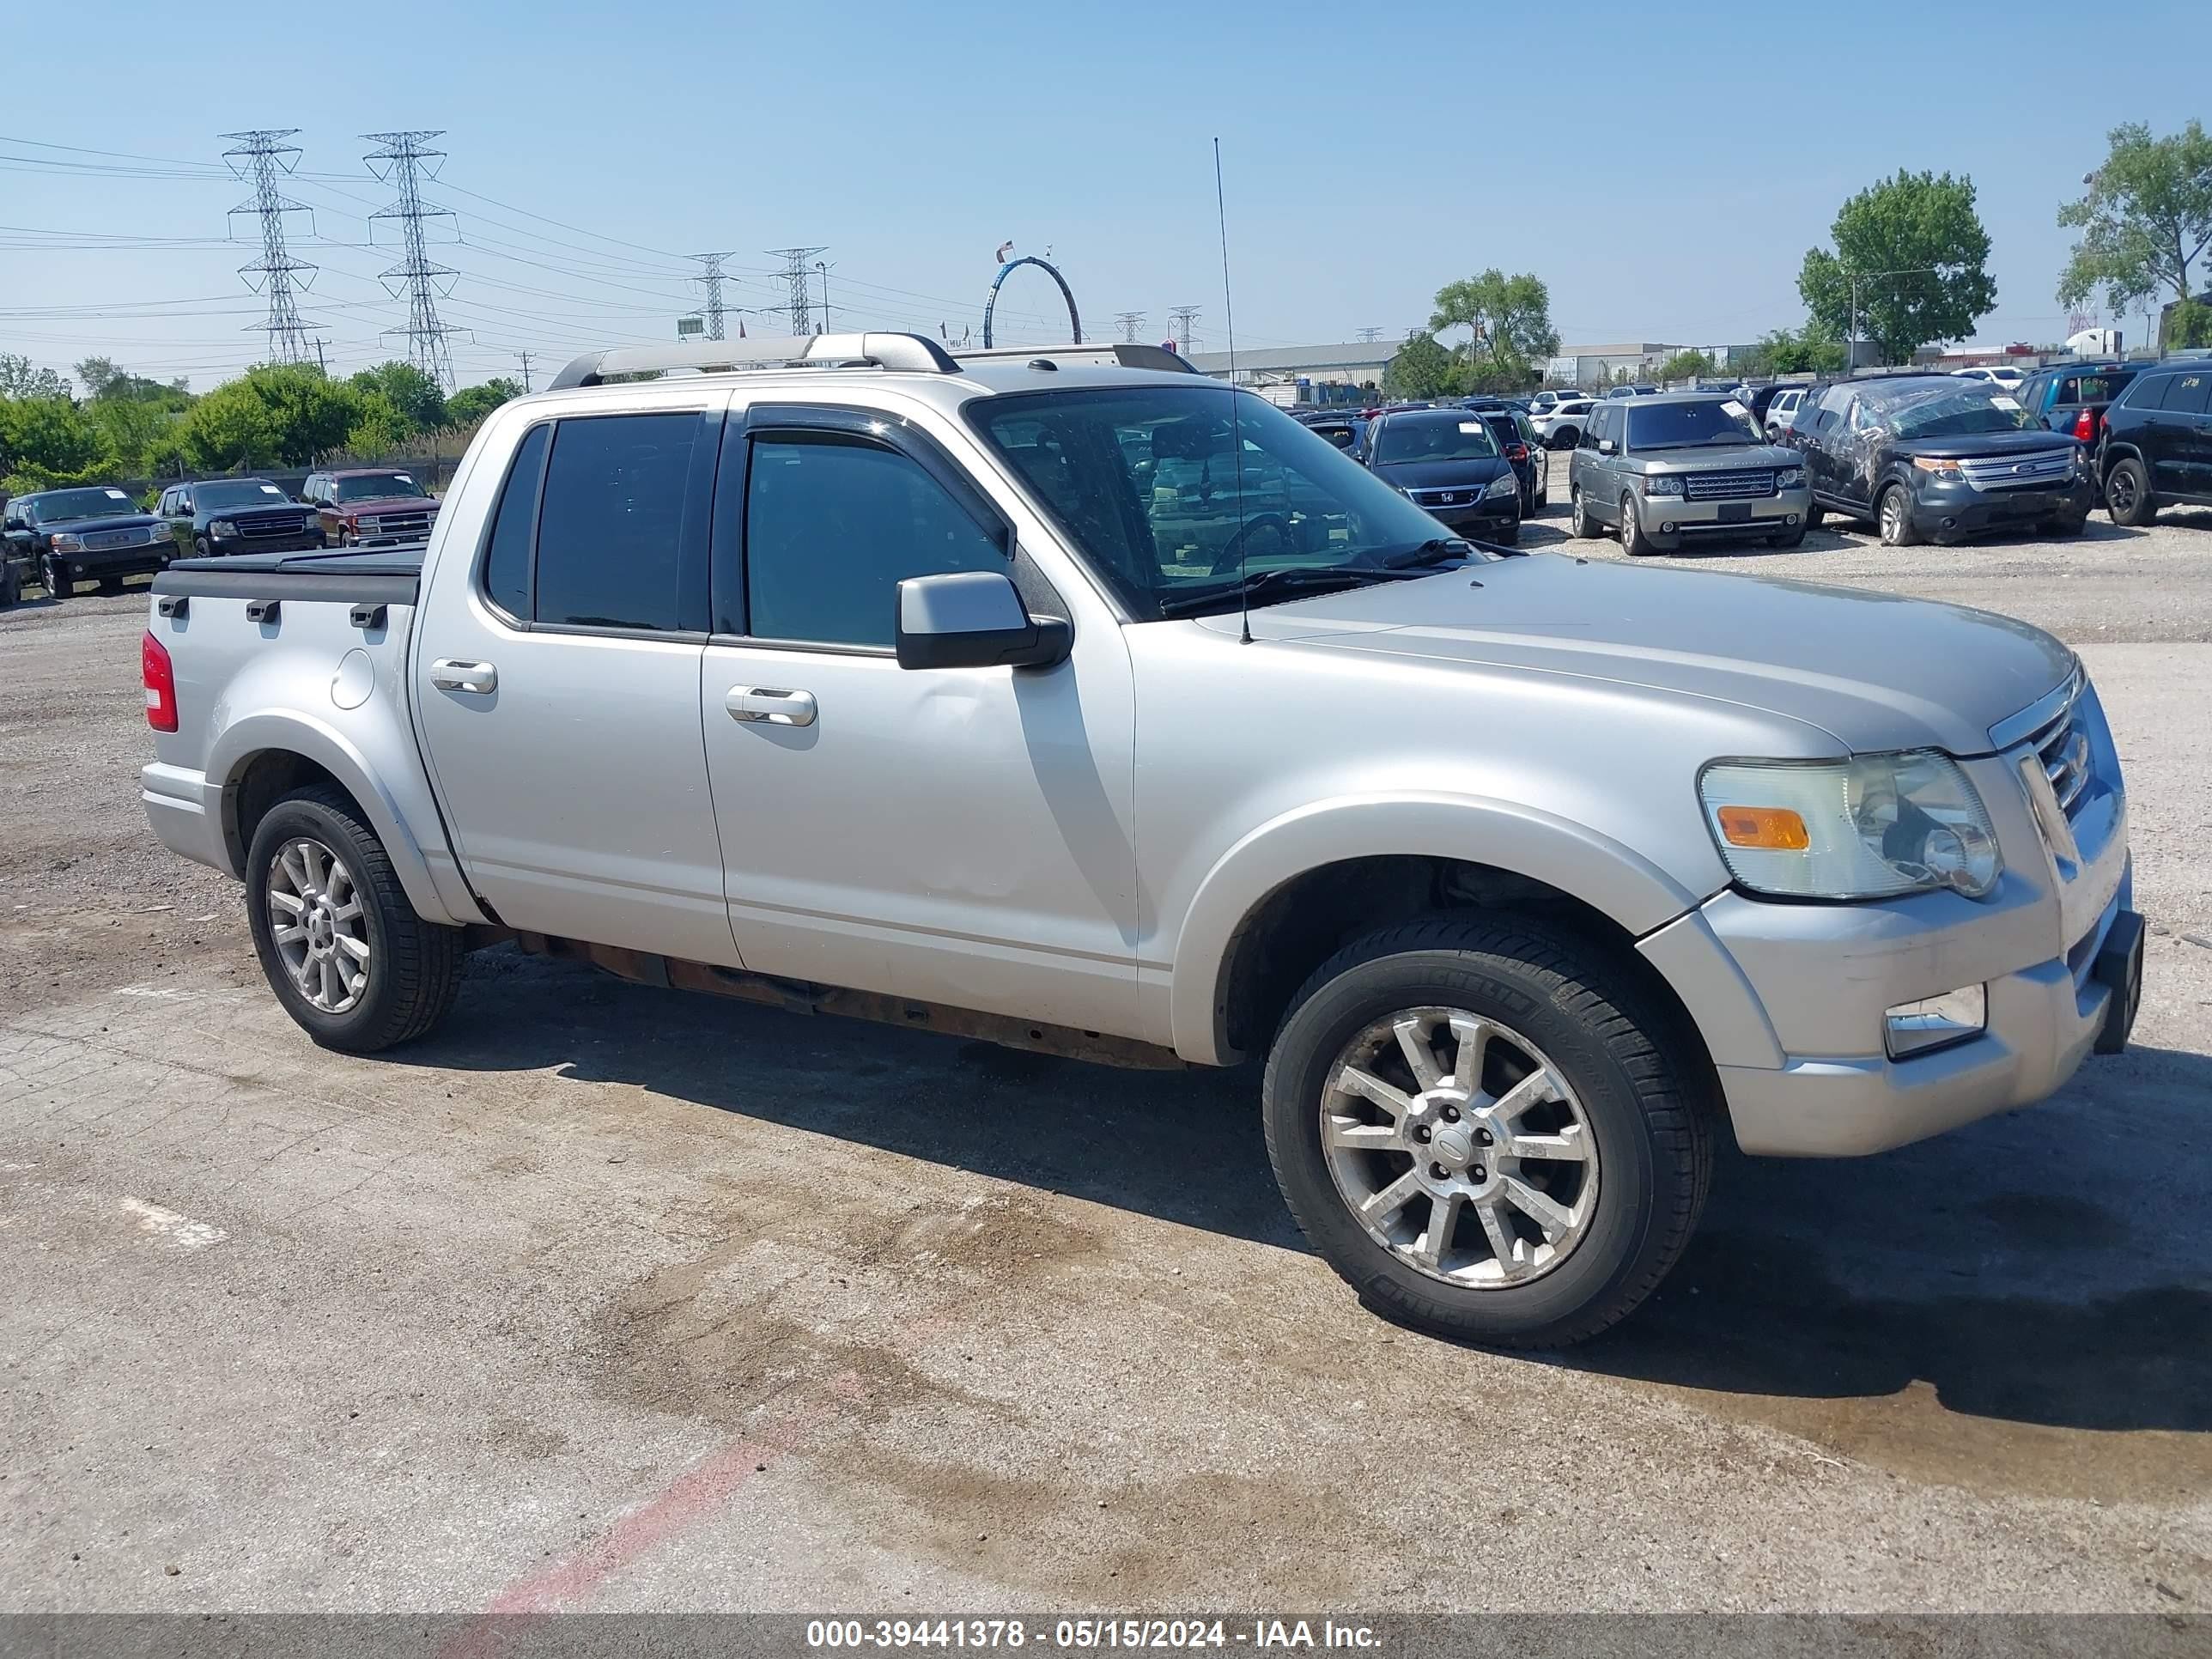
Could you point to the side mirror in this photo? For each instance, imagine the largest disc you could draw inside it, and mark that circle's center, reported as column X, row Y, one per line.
column 974, row 619
column 1605, row 446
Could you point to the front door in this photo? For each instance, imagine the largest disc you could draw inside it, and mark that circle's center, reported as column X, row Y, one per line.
column 558, row 685
column 2179, row 435
column 957, row 835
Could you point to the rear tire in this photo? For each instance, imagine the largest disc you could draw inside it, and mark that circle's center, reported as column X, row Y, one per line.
column 1625, row 1093
column 334, row 879
column 1633, row 541
column 2127, row 493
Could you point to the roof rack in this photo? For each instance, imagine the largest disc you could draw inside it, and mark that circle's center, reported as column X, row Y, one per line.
column 913, row 352
column 1106, row 353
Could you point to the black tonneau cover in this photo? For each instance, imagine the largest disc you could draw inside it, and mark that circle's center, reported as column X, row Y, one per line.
column 383, row 576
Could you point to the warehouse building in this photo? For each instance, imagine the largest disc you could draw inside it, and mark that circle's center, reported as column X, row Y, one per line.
column 1359, row 362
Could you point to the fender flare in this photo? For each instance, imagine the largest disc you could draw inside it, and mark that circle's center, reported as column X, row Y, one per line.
column 289, row 732
column 1612, row 879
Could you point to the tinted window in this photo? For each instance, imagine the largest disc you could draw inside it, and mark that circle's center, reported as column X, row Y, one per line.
column 832, row 528
column 1674, row 425
column 251, row 492
column 374, row 486
column 2184, row 394
column 1428, row 439
column 507, row 564
column 611, row 526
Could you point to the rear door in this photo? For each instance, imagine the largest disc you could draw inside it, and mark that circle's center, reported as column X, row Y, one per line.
column 555, row 676
column 2182, row 463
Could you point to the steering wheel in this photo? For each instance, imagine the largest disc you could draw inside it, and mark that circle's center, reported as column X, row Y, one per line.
column 1232, row 550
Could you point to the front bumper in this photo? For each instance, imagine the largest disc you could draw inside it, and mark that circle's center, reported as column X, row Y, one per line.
column 1489, row 521
column 1944, row 511
column 1673, row 518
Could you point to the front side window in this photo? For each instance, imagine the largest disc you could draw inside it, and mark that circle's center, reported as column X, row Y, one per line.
column 833, row 525
column 610, row 530
column 1175, row 505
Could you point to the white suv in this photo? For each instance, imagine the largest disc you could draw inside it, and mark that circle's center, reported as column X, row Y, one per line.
column 2010, row 378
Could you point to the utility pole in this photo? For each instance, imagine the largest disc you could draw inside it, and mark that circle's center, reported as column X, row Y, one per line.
column 406, row 156
column 712, row 277
column 1179, row 333
column 260, row 157
column 525, row 356
column 321, row 361
column 824, row 270
column 796, row 278
column 1131, row 321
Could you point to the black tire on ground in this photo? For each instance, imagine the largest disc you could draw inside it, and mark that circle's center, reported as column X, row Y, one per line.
column 200, row 547
column 1790, row 538
column 2066, row 524
column 1892, row 517
column 1636, row 1078
column 1512, row 535
column 2127, row 493
column 1566, row 437
column 58, row 578
column 1633, row 541
column 1814, row 514
column 414, row 966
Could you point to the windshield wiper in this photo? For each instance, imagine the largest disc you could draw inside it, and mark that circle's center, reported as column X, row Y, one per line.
column 1265, row 587
column 1438, row 550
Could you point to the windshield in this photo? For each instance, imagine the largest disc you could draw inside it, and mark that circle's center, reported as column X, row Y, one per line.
column 61, row 506
column 1449, row 438
column 1959, row 410
column 1691, row 426
column 250, row 492
column 1144, row 480
column 370, row 486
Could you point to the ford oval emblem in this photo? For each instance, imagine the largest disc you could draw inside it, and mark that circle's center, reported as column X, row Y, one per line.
column 2022, row 467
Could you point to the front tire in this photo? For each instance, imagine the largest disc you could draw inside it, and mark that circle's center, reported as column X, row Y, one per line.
column 1488, row 1130
column 2127, row 493
column 1893, row 519
column 1633, row 541
column 352, row 963
column 57, row 579
column 1580, row 525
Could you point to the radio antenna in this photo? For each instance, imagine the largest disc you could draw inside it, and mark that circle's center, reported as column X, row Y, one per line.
column 1236, row 430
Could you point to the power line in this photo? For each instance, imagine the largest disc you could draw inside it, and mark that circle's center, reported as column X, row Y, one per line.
column 713, row 279
column 797, row 275
column 262, row 155
column 1131, row 321
column 426, row 335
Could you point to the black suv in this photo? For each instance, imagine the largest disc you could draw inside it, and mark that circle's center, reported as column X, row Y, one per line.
column 1937, row 457
column 94, row 533
column 2157, row 449
column 1446, row 462
column 1524, row 450
column 222, row 516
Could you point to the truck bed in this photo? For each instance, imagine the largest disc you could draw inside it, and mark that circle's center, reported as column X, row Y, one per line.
column 383, row 576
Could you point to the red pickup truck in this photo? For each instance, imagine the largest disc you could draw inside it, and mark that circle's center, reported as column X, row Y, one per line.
column 370, row 506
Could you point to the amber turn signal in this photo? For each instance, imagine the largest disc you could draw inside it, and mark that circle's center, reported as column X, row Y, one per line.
column 1777, row 829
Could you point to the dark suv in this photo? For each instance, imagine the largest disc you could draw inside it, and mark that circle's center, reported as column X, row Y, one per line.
column 2157, row 448
column 236, row 515
column 2072, row 397
column 1937, row 457
column 73, row 535
column 1446, row 462
column 1524, row 450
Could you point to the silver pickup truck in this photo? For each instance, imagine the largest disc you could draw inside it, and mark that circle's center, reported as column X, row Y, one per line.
column 1100, row 709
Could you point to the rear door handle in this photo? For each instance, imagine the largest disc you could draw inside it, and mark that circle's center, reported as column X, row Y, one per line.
column 451, row 674
column 770, row 705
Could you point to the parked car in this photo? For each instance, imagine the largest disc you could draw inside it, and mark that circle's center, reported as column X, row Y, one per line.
column 1515, row 436
column 1632, row 391
column 1938, row 457
column 1447, row 463
column 222, row 516
column 2007, row 377
column 1344, row 431
column 1681, row 468
column 2071, row 398
column 1530, row 878
column 2157, row 445
column 367, row 506
column 1542, row 403
column 1563, row 427
column 86, row 534
column 1772, row 406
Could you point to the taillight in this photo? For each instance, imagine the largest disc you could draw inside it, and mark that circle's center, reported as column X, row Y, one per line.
column 160, row 677
column 1516, row 451
column 2085, row 426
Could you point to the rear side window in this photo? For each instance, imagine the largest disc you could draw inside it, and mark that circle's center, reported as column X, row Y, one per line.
column 611, row 532
column 507, row 565
column 2186, row 394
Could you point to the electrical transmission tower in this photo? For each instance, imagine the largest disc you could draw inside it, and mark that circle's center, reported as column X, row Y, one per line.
column 711, row 277
column 1131, row 321
column 262, row 157
column 406, row 156
column 1184, row 317
column 799, row 274
column 1370, row 334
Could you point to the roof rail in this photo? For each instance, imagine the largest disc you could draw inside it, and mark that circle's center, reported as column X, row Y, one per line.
column 913, row 352
column 1107, row 354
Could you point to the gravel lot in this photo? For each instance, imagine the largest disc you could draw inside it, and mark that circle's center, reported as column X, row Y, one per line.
column 609, row 1298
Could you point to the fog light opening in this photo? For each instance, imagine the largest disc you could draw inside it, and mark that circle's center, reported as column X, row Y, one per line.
column 1667, row 529
column 1932, row 1023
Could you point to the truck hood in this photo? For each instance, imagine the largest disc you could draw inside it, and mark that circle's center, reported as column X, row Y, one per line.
column 1873, row 671
column 100, row 525
column 1727, row 459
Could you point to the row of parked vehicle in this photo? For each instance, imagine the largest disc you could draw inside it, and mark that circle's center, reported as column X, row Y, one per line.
column 60, row 538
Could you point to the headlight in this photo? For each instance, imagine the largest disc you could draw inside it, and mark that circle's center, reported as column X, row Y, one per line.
column 1662, row 483
column 1875, row 826
column 63, row 542
column 1790, row 478
column 1503, row 484
column 368, row 527
column 222, row 526
column 1943, row 471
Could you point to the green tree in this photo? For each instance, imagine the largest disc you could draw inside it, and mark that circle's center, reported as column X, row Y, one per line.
column 472, row 403
column 376, row 428
column 1422, row 368
column 277, row 414
column 45, row 441
column 18, row 379
column 2189, row 325
column 1510, row 317
column 1687, row 366
column 1914, row 251
column 1801, row 352
column 2146, row 218
column 416, row 397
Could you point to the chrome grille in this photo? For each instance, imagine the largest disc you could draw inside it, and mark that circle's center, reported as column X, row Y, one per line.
column 2038, row 471
column 274, row 523
column 136, row 537
column 2063, row 749
column 1424, row 498
column 401, row 524
column 1728, row 486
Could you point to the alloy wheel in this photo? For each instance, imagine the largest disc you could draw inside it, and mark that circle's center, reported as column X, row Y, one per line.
column 1459, row 1148
column 2120, row 492
column 1892, row 517
column 319, row 924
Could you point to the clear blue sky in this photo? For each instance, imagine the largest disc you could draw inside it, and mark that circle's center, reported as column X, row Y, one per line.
column 1663, row 169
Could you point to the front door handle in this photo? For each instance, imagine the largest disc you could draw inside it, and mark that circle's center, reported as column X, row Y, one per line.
column 770, row 705
column 451, row 674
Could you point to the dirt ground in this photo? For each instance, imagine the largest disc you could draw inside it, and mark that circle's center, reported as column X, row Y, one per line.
column 616, row 1300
